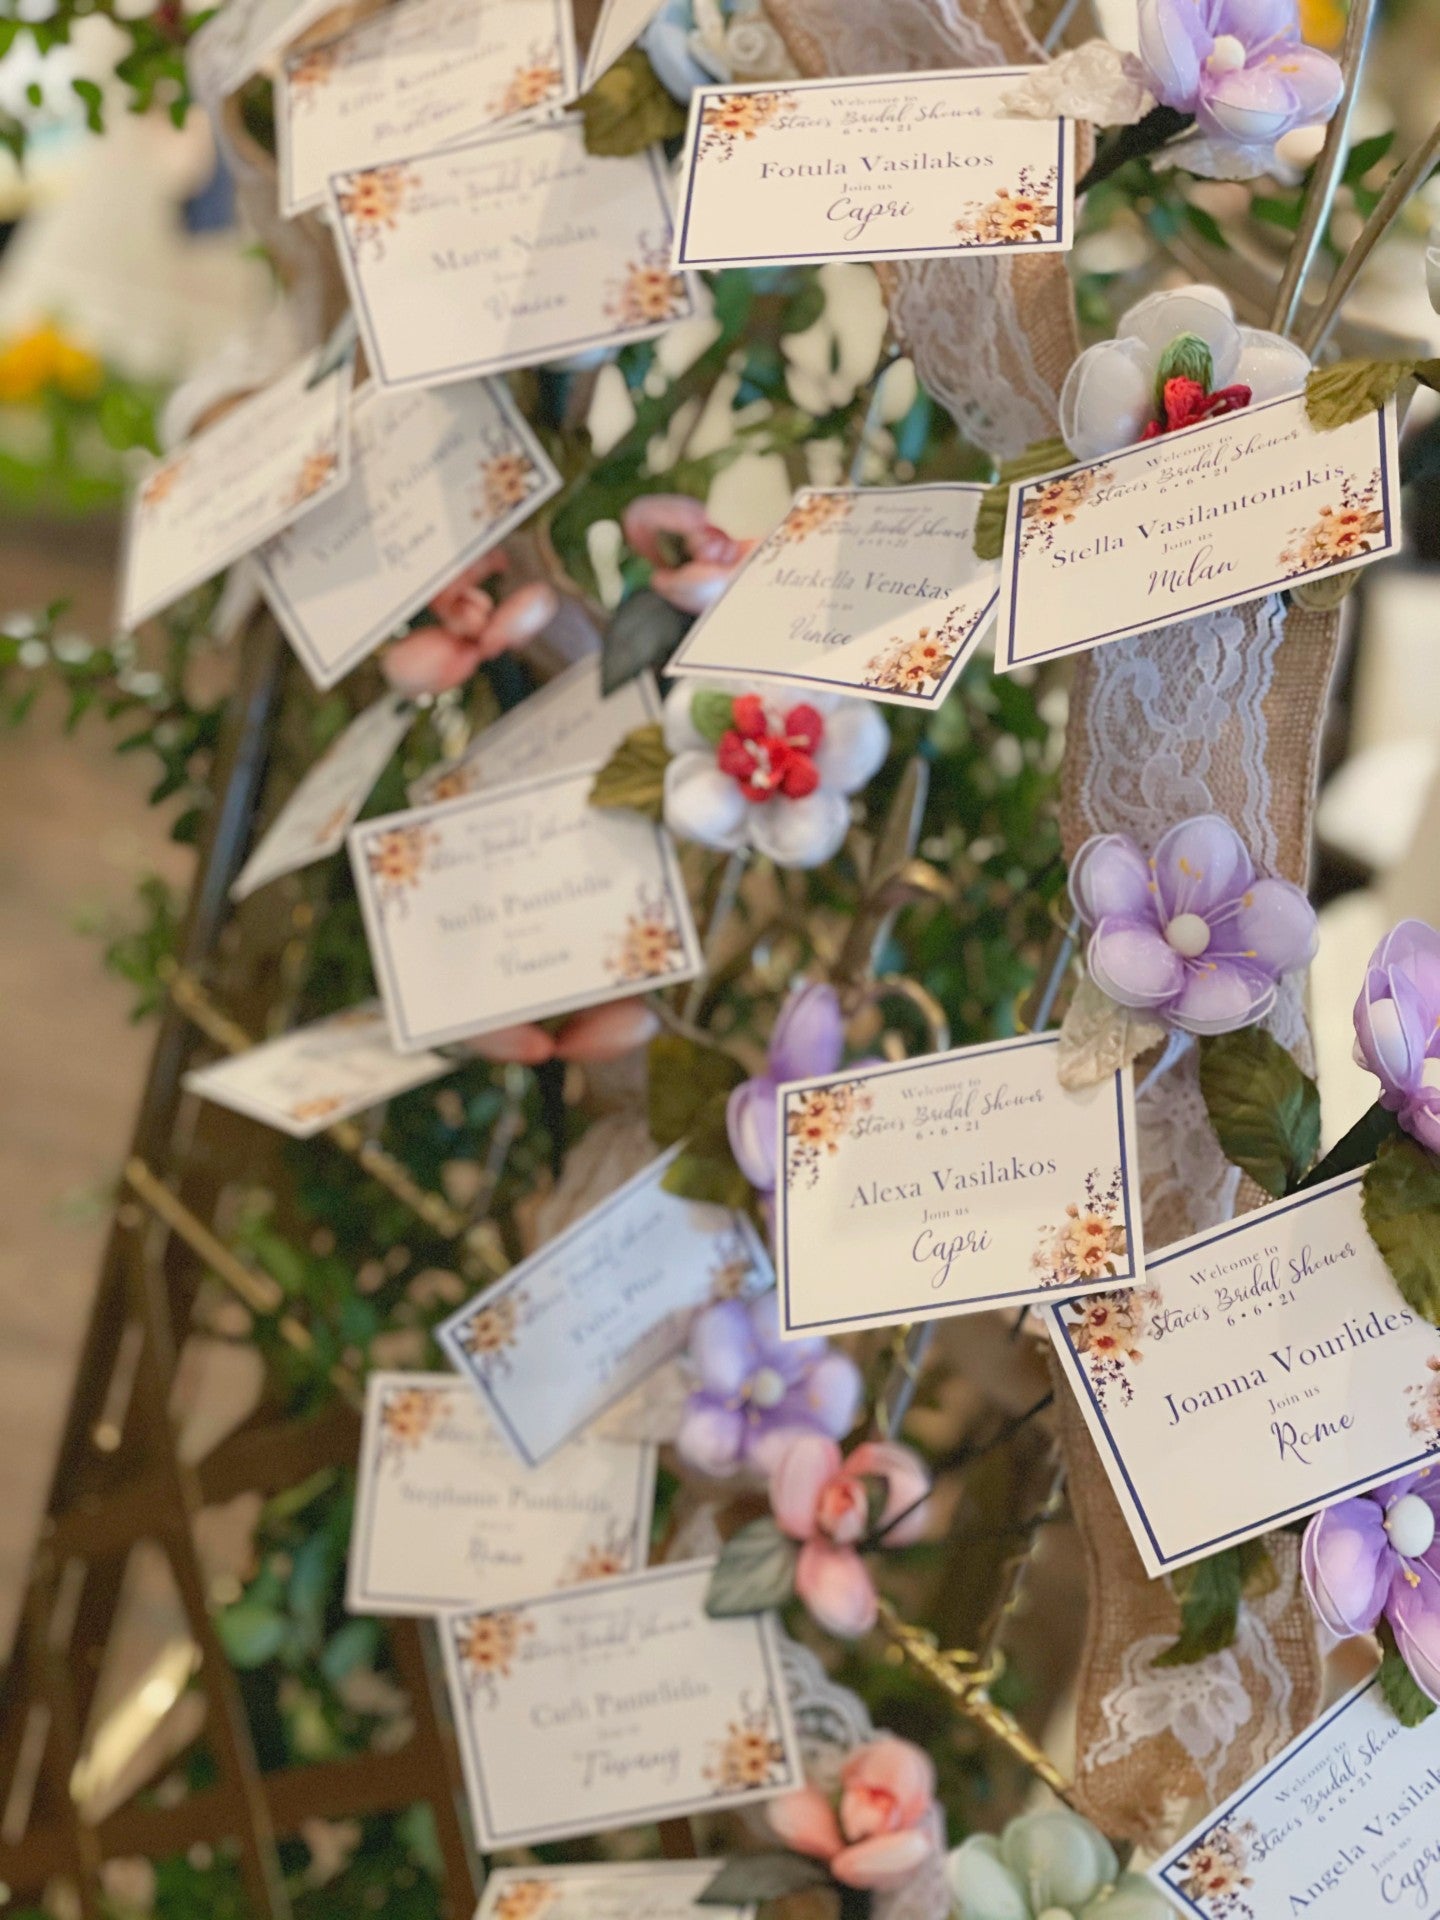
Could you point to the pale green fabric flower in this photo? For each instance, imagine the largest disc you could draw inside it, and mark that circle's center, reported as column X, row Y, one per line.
column 1048, row 1866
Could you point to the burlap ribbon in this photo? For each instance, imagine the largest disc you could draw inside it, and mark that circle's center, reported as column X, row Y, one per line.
column 1223, row 715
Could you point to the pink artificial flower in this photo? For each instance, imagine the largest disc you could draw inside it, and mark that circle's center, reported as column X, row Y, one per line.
column 711, row 555
column 473, row 628
column 598, row 1034
column 820, row 1498
column 886, row 1826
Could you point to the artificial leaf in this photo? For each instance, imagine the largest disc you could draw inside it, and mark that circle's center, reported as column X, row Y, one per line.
column 1209, row 1592
column 1402, row 1695
column 1334, row 396
column 250, row 1633
column 716, row 1181
column 753, row 1877
column 634, row 775
column 1357, row 1148
column 755, row 1571
column 1402, row 1211
column 628, row 110
column 1265, row 1111
column 684, row 1078
column 712, row 713
column 1044, row 456
column 644, row 631
column 1098, row 1037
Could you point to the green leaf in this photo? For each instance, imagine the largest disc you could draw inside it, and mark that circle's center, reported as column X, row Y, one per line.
column 1334, row 396
column 1265, row 1111
column 1207, row 226
column 634, row 775
column 712, row 714
column 1402, row 1211
column 1365, row 154
column 751, row 1878
column 1044, row 456
column 250, row 1633
column 1278, row 213
column 1209, row 1593
column 1403, row 1697
column 627, row 109
column 644, row 631
column 1357, row 1148
column 705, row 1177
column 684, row 1078
column 755, row 1571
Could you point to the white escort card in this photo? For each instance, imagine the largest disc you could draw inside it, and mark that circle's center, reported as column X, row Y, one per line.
column 1251, row 503
column 890, row 167
column 632, row 1890
column 436, row 480
column 574, row 1328
column 616, row 1706
column 513, row 905
column 445, row 1518
column 565, row 723
column 620, row 25
column 275, row 455
column 1343, row 1825
column 1282, row 1372
column 240, row 36
column 508, row 251
column 874, row 591
column 422, row 74
column 307, row 1080
column 320, row 812
column 952, row 1183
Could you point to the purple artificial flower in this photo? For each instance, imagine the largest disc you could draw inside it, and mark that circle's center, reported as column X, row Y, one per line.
column 1397, row 1027
column 809, row 1038
column 1240, row 66
column 1190, row 935
column 756, row 1392
column 1378, row 1555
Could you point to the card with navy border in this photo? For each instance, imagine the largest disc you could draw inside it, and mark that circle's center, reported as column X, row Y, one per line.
column 515, row 904
column 311, row 1078
column 422, row 74
column 874, row 591
column 566, row 723
column 630, row 1890
column 1343, row 1825
column 617, row 1705
column 1282, row 1372
column 436, row 480
column 506, row 251
column 314, row 821
column 1251, row 503
column 951, row 1184
column 445, row 1517
column 620, row 25
column 274, row 456
column 579, row 1324
column 888, row 167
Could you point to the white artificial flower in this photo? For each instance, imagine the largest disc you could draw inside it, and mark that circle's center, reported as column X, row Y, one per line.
column 1096, row 82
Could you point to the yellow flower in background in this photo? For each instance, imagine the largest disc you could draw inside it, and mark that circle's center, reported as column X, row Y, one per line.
column 45, row 358
column 1322, row 22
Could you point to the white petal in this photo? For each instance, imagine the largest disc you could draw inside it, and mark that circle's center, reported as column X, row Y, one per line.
column 1108, row 398
column 1270, row 365
column 1198, row 309
column 703, row 804
column 853, row 747
column 800, row 833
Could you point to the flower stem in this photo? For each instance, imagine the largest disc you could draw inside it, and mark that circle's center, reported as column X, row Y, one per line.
column 1151, row 132
column 726, row 894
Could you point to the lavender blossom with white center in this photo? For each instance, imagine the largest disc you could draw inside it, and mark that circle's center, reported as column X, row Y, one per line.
column 1397, row 1027
column 1240, row 66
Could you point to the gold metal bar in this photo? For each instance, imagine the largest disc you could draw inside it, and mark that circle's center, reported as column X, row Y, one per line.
column 1398, row 189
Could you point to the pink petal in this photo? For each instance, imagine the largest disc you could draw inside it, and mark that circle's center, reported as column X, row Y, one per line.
column 802, row 1473
column 834, row 1586
column 892, row 1770
column 525, row 1046
column 520, row 618
column 431, row 660
column 695, row 586
column 883, row 1862
column 805, row 1821
column 906, row 1482
column 608, row 1032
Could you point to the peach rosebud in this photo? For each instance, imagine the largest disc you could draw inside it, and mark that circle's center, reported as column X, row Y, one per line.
column 801, row 1475
column 520, row 618
column 430, row 660
column 805, row 1821
column 835, row 1589
column 608, row 1032
column 843, row 1510
column 464, row 606
column 906, row 1485
column 712, row 556
column 525, row 1046
column 884, row 1786
column 884, row 1862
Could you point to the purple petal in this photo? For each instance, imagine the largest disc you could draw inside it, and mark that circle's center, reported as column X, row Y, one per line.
column 789, row 1358
column 1221, row 995
column 1172, row 43
column 1420, row 1118
column 1313, row 78
column 1201, row 865
column 809, row 1035
column 1133, row 964
column 832, row 1394
column 752, row 1120
column 1275, row 926
column 1391, row 1031
column 1347, row 1561
column 1414, row 1613
column 711, row 1437
column 1413, row 949
column 1256, row 21
column 1252, row 105
column 722, row 1348
column 1110, row 875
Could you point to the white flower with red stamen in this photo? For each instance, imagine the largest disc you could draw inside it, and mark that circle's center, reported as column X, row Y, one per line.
column 770, row 772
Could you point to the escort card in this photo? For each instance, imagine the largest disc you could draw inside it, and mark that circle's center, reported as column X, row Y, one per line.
column 239, row 37
column 1343, row 1825
column 425, row 73
column 567, row 723
column 575, row 1327
column 445, row 1519
column 873, row 591
column 1248, row 504
column 277, row 454
column 320, row 812
column 436, row 480
column 890, row 167
column 1282, row 1372
column 617, row 1706
column 508, row 906
column 505, row 252
column 636, row 1890
column 952, row 1183
column 305, row 1081
column 620, row 25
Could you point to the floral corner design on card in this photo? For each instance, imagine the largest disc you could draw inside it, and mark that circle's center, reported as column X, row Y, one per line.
column 815, row 1124
column 1056, row 503
column 647, row 292
column 317, row 469
column 735, row 118
column 396, row 860
column 507, row 478
column 750, row 1755
column 161, row 484
column 487, row 1646
column 1337, row 534
column 603, row 1559
column 1025, row 212
column 917, row 665
column 408, row 1416
column 1424, row 1418
column 526, row 1900
column 373, row 202
column 319, row 1106
column 732, row 1266
column 489, row 1334
column 311, row 74
column 1107, row 1332
column 536, row 82
column 649, row 946
column 1213, row 1875
column 816, row 513
column 1089, row 1244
